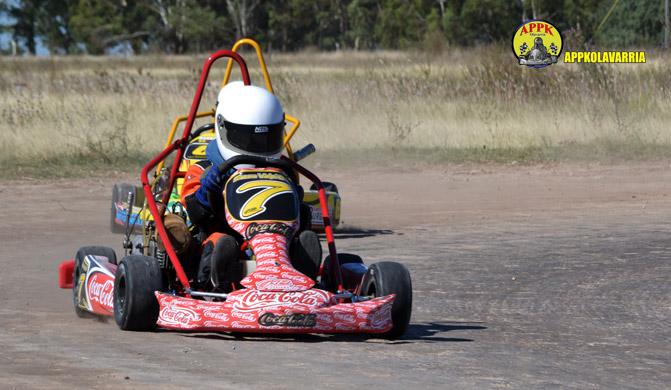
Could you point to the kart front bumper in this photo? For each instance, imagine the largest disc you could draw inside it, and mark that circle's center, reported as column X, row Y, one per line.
column 253, row 311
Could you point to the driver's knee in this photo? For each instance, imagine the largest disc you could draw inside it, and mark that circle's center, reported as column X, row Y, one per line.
column 178, row 233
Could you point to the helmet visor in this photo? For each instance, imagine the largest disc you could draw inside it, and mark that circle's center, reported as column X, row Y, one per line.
column 258, row 139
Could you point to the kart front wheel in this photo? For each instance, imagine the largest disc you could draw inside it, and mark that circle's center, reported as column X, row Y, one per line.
column 386, row 278
column 136, row 280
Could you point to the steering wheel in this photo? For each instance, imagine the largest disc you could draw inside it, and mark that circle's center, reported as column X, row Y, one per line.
column 200, row 130
column 217, row 200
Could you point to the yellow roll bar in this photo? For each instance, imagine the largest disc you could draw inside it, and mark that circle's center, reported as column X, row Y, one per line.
column 269, row 86
column 259, row 55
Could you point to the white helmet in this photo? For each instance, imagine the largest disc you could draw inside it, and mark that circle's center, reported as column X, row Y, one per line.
column 250, row 121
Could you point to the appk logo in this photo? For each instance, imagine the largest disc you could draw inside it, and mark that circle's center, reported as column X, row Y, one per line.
column 537, row 44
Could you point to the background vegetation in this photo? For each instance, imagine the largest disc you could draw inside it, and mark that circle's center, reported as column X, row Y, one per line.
column 181, row 26
column 65, row 113
column 454, row 93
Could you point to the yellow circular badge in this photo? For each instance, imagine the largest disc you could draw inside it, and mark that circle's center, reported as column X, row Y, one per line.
column 537, row 44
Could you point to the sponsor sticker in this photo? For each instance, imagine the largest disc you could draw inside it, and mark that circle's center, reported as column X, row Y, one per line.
column 537, row 44
column 288, row 320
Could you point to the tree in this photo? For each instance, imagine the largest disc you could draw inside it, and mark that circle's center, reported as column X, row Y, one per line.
column 53, row 26
column 400, row 23
column 485, row 21
column 241, row 12
column 95, row 22
column 362, row 15
column 25, row 16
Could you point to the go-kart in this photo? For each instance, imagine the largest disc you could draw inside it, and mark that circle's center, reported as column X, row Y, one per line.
column 149, row 287
column 195, row 152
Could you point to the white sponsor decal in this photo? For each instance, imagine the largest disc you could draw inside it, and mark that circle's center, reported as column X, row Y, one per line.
column 243, row 315
column 177, row 315
column 344, row 317
column 216, row 315
column 294, row 276
column 277, row 285
column 241, row 325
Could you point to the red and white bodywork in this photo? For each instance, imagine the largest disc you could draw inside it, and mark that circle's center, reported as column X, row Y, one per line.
column 276, row 297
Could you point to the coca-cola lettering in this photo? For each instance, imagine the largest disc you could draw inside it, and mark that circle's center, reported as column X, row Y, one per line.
column 255, row 300
column 288, row 320
column 101, row 293
column 243, row 315
column 276, row 284
column 179, row 315
column 278, row 228
column 216, row 315
column 345, row 317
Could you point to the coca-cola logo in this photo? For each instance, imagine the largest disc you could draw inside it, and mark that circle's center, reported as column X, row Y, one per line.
column 269, row 240
column 265, row 247
column 296, row 277
column 346, row 317
column 216, row 315
column 288, row 320
column 241, row 325
column 278, row 228
column 101, row 290
column 276, row 285
column 243, row 315
column 178, row 315
column 381, row 318
column 277, row 255
column 255, row 299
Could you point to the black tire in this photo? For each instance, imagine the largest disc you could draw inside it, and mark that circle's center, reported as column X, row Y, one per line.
column 120, row 194
column 343, row 258
column 328, row 186
column 386, row 278
column 79, row 258
column 135, row 306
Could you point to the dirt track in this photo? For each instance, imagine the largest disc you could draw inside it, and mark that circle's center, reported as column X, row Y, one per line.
column 523, row 278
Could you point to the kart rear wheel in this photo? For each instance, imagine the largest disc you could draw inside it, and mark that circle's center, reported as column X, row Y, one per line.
column 386, row 278
column 135, row 306
column 79, row 259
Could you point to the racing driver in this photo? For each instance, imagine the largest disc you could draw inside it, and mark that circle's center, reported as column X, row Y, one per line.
column 241, row 111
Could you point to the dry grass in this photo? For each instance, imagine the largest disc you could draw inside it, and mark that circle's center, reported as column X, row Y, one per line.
column 461, row 105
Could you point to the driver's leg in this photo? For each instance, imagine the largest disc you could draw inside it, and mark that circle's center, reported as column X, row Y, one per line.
column 306, row 253
column 219, row 264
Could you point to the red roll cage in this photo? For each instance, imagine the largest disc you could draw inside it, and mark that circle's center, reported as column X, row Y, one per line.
column 179, row 146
